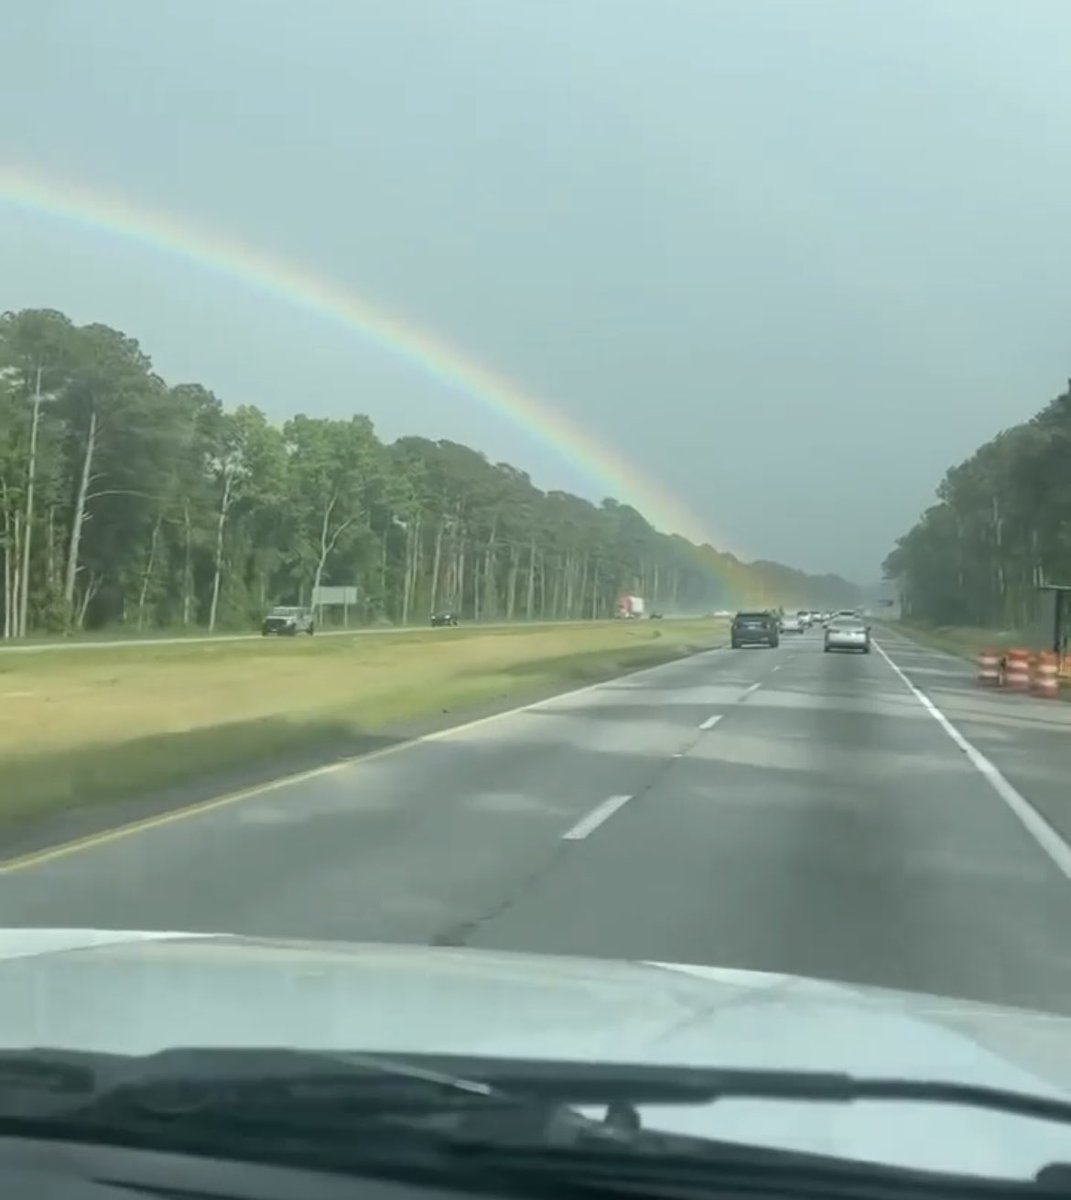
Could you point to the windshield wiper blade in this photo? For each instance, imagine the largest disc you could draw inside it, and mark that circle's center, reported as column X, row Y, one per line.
column 400, row 1081
column 186, row 1079
column 474, row 1121
column 639, row 1084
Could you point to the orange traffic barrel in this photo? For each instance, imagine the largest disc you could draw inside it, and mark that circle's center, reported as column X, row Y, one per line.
column 1017, row 673
column 1046, row 676
column 989, row 668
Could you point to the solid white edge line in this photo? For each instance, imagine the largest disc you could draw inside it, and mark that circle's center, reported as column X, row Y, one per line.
column 599, row 814
column 710, row 722
column 1034, row 823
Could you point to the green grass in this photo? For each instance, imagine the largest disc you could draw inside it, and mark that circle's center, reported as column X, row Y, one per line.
column 962, row 641
column 80, row 728
column 133, row 637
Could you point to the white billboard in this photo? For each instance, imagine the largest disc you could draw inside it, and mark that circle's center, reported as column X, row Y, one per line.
column 326, row 597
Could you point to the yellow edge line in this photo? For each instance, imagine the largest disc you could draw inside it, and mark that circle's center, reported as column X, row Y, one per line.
column 91, row 841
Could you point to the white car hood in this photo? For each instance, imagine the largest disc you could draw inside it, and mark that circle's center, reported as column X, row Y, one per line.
column 136, row 992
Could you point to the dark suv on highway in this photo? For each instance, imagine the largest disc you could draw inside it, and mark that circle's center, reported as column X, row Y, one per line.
column 754, row 629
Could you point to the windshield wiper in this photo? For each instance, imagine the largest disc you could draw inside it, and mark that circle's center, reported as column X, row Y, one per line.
column 603, row 1083
column 401, row 1080
column 417, row 1117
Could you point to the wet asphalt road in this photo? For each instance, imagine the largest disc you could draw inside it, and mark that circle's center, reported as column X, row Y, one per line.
column 782, row 810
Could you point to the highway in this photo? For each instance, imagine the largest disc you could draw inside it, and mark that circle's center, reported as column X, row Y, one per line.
column 782, row 810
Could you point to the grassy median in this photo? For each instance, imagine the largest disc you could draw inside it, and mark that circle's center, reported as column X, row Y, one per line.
column 80, row 726
column 961, row 640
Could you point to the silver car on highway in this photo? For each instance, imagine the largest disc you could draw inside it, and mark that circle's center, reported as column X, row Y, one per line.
column 847, row 633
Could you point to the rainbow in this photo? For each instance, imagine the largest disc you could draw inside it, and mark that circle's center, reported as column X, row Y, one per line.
column 433, row 355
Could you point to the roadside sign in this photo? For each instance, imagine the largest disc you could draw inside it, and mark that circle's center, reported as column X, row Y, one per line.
column 327, row 597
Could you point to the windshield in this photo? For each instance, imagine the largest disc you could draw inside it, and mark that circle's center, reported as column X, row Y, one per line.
column 417, row 421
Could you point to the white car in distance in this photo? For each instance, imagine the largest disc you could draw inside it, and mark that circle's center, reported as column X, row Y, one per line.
column 847, row 633
column 791, row 623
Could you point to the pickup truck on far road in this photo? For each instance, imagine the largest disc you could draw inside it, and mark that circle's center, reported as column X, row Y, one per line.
column 288, row 622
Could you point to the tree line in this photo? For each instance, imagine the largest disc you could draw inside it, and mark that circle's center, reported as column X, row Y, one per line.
column 1001, row 526
column 127, row 502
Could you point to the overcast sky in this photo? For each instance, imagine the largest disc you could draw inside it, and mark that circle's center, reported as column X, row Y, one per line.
column 789, row 259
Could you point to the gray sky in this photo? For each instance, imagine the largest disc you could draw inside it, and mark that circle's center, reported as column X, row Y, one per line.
column 790, row 259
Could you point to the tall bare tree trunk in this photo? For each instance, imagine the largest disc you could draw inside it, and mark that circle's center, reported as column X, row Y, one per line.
column 50, row 551
column 17, row 559
column 585, row 569
column 511, row 581
column 328, row 541
column 556, row 592
column 74, row 545
column 92, row 587
column 217, row 572
column 322, row 558
column 187, row 564
column 413, row 535
column 489, row 605
column 436, row 563
column 529, row 606
column 146, row 576
column 10, row 567
column 407, row 575
column 7, row 580
column 31, row 476
column 570, row 587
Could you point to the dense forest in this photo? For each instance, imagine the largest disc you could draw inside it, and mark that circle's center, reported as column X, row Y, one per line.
column 129, row 503
column 1001, row 526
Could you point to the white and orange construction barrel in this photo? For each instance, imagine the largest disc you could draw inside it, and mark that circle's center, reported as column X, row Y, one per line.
column 1047, row 676
column 1017, row 672
column 989, row 668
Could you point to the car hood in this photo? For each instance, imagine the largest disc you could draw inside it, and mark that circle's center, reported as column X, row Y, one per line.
column 138, row 992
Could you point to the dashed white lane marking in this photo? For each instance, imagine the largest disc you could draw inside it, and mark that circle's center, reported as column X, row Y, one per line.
column 777, row 668
column 1034, row 823
column 601, row 812
column 38, row 858
column 710, row 722
column 754, row 688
